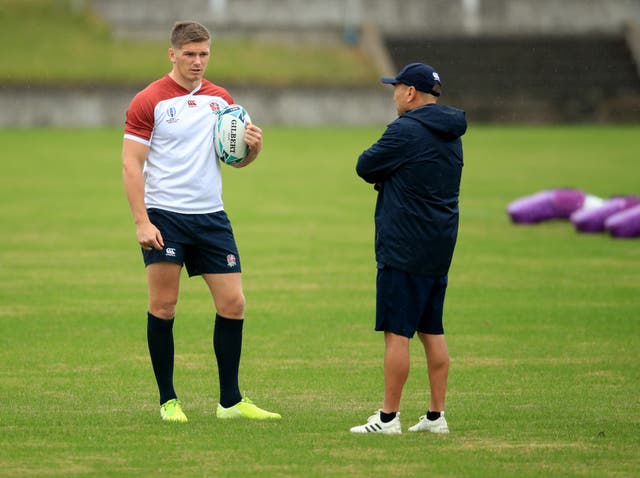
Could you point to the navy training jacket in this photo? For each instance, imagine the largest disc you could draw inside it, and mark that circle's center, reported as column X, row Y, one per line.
column 417, row 166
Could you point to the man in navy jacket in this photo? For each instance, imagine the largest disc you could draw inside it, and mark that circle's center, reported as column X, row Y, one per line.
column 416, row 168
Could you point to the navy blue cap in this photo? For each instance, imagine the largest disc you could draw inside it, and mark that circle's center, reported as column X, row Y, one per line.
column 422, row 77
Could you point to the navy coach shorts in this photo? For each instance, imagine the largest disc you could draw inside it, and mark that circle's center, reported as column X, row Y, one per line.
column 406, row 303
column 204, row 243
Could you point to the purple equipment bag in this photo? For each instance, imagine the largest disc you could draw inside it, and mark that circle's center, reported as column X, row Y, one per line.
column 593, row 220
column 544, row 205
column 624, row 223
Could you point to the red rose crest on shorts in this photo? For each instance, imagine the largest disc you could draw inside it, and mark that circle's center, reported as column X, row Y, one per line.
column 231, row 260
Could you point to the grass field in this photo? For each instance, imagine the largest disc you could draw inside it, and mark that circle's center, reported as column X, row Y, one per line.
column 543, row 323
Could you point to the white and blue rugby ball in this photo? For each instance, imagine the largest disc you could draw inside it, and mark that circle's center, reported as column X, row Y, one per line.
column 229, row 131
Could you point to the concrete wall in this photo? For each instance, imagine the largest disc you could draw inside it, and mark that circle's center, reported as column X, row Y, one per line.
column 501, row 17
column 407, row 17
column 97, row 107
column 106, row 106
column 556, row 16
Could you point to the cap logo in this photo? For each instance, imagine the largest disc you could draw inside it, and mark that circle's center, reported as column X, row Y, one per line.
column 436, row 76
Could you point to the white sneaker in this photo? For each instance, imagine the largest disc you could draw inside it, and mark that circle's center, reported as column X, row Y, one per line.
column 433, row 426
column 375, row 425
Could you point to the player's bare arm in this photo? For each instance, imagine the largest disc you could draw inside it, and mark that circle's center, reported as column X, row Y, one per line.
column 133, row 157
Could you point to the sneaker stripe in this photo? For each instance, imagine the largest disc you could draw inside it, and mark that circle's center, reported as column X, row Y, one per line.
column 373, row 428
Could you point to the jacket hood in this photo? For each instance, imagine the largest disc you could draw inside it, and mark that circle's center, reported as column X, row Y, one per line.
column 445, row 121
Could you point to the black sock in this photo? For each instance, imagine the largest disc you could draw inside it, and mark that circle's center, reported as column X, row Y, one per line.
column 160, row 341
column 227, row 345
column 387, row 417
column 433, row 415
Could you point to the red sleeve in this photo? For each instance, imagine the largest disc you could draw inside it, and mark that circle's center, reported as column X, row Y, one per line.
column 140, row 116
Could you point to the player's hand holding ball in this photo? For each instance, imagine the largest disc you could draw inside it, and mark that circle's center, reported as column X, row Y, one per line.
column 253, row 138
column 237, row 141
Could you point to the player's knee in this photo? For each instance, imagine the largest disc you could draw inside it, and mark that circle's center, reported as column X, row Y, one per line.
column 232, row 306
column 163, row 309
column 439, row 359
column 444, row 360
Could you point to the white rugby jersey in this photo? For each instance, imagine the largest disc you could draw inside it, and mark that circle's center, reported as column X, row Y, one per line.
column 182, row 173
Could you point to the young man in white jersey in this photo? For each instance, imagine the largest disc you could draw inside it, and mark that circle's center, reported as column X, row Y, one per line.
column 173, row 184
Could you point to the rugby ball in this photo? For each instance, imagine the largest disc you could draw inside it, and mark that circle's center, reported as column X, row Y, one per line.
column 229, row 131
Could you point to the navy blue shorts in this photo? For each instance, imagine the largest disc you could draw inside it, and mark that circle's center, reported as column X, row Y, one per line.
column 204, row 243
column 406, row 303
